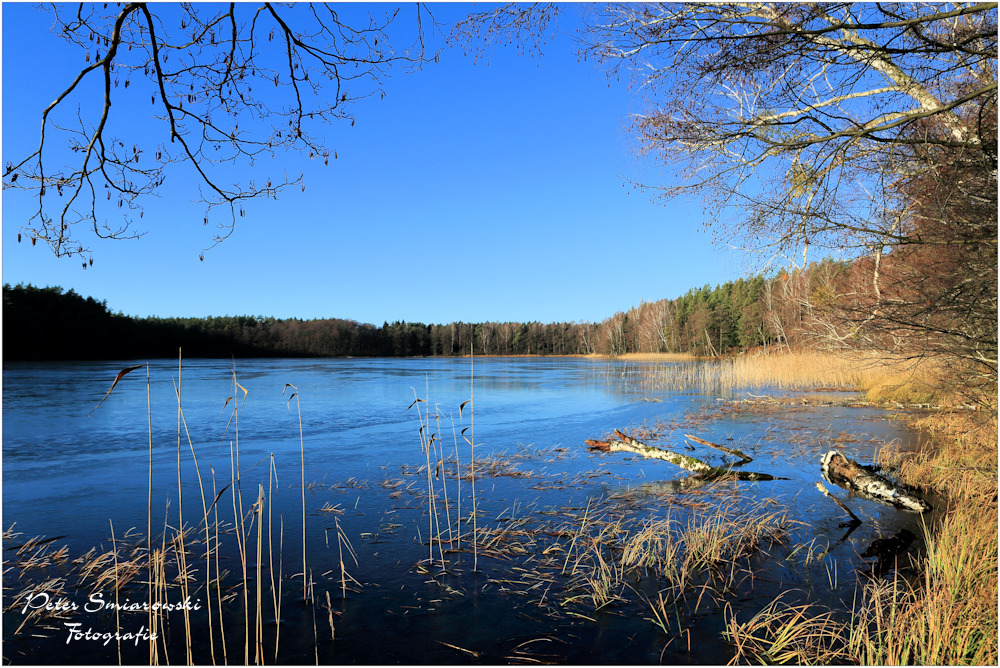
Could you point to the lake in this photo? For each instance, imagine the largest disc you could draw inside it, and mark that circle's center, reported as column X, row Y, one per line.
column 393, row 576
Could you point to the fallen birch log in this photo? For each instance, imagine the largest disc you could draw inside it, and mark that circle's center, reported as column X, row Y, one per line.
column 847, row 473
column 624, row 443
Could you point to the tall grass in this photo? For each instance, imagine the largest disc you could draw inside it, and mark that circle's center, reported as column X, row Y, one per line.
column 879, row 377
column 949, row 616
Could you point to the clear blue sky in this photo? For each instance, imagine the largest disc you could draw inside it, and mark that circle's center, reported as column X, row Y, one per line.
column 473, row 192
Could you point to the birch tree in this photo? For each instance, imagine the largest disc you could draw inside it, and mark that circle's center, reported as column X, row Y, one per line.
column 799, row 123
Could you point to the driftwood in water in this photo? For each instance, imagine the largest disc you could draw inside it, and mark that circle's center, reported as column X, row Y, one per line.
column 731, row 451
column 847, row 473
column 624, row 443
column 826, row 493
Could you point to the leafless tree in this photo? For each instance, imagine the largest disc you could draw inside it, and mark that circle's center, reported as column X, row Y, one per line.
column 801, row 118
column 230, row 86
column 866, row 130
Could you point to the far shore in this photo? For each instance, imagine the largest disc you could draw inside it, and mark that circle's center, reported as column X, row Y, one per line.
column 653, row 357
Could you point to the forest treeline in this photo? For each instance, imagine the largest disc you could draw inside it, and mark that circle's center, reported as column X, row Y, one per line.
column 50, row 323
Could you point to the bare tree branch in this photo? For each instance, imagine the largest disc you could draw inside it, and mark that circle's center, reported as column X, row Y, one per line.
column 202, row 74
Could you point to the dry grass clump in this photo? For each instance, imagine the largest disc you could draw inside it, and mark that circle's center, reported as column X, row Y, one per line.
column 497, row 465
column 787, row 634
column 708, row 552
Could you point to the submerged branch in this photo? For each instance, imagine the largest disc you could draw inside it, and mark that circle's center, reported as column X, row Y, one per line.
column 731, row 451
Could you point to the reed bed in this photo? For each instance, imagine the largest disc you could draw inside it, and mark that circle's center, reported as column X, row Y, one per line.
column 192, row 610
column 880, row 377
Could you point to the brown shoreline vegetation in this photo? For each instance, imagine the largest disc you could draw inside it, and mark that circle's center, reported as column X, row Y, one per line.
column 949, row 615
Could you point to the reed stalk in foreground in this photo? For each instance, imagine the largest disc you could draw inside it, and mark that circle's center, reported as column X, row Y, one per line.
column 236, row 492
column 259, row 619
column 180, row 552
column 153, row 657
column 118, row 623
column 204, row 512
column 444, row 481
column 272, row 475
column 472, row 455
column 302, row 460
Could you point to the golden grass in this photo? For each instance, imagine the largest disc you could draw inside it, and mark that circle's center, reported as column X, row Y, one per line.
column 783, row 634
column 950, row 616
column 654, row 357
column 877, row 376
column 882, row 378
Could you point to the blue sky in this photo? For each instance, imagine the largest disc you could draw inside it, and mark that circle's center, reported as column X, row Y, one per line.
column 473, row 191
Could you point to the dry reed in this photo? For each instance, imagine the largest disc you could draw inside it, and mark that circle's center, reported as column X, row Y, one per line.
column 881, row 377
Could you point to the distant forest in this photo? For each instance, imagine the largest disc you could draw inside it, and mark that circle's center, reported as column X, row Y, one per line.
column 52, row 324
